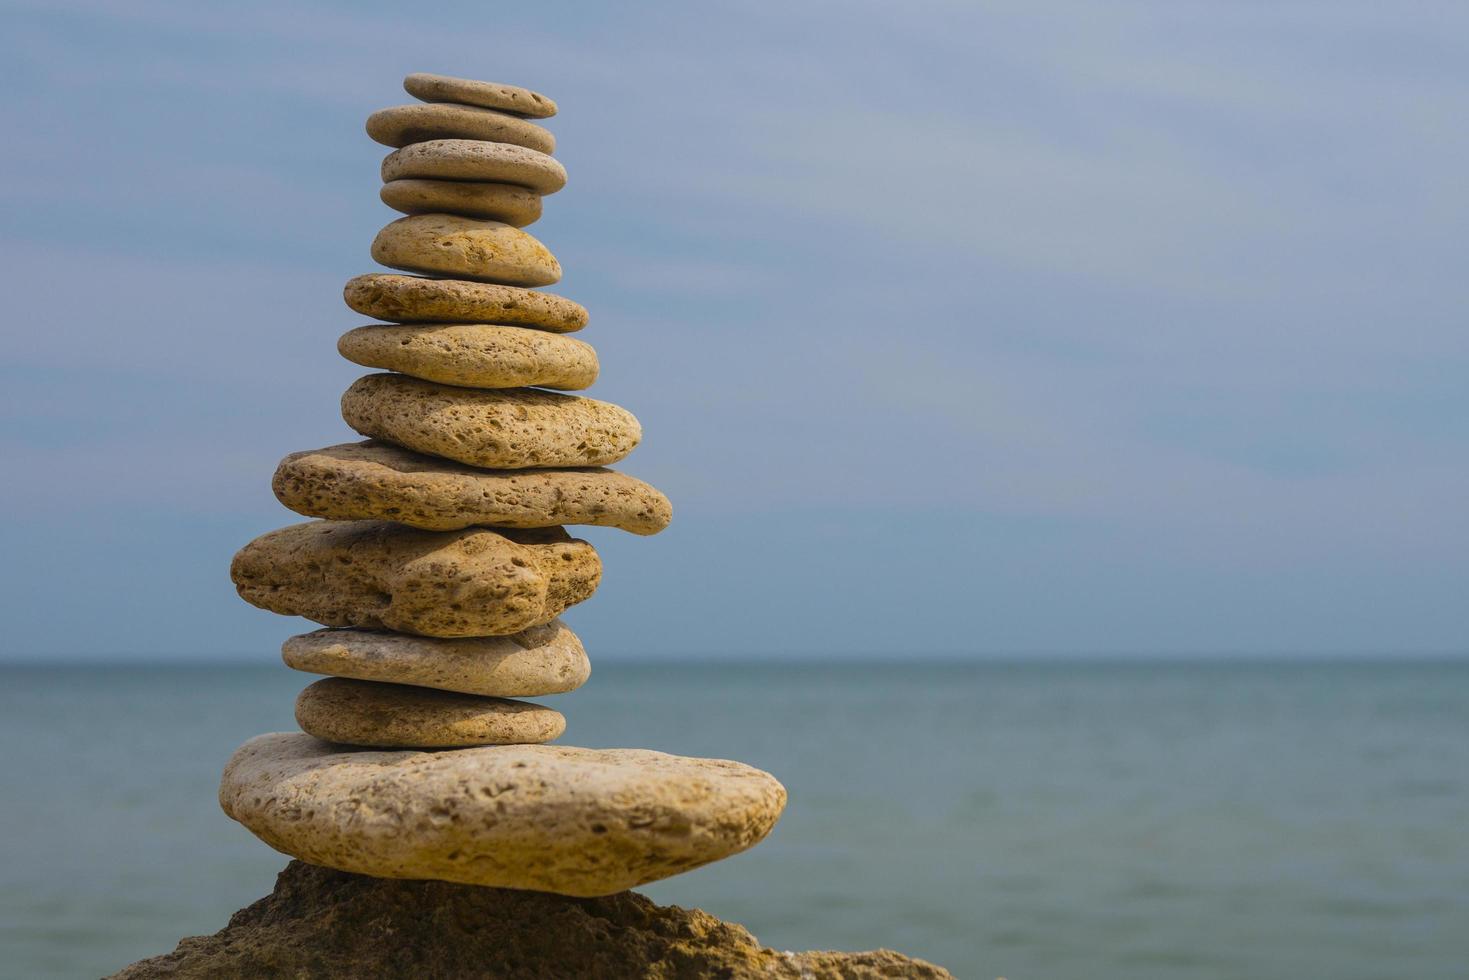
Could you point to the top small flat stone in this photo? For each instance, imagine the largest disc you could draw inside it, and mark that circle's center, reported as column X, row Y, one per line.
column 491, row 95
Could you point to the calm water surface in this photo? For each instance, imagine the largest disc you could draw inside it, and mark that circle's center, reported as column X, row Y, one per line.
column 1048, row 821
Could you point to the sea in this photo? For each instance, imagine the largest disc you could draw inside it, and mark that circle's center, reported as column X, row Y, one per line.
column 1036, row 820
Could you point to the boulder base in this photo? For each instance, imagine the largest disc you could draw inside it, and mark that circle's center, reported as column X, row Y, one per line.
column 320, row 923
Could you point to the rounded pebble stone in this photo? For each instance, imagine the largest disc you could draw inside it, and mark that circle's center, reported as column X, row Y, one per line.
column 491, row 95
column 474, row 355
column 445, row 244
column 360, row 481
column 383, row 575
column 502, row 163
column 547, row 659
column 395, row 716
column 513, row 428
column 551, row 818
column 512, row 204
column 416, row 122
column 414, row 299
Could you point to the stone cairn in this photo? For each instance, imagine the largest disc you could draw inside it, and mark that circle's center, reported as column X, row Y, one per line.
column 437, row 561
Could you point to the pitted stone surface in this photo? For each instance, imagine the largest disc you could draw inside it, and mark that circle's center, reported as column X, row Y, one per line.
column 394, row 716
column 474, row 355
column 503, row 163
column 322, row 923
column 379, row 481
column 446, row 244
column 541, row 660
column 400, row 125
column 518, row 206
column 511, row 429
column 412, row 299
column 491, row 95
column 544, row 817
column 474, row 582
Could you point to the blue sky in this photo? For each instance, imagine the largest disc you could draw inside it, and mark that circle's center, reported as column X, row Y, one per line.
column 954, row 328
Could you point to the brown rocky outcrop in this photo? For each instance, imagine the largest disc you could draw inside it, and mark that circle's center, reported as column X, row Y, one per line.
column 320, row 923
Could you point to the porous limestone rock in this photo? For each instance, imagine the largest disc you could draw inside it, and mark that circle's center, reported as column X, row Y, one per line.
column 474, row 355
column 474, row 582
column 545, row 817
column 491, row 95
column 547, row 659
column 518, row 206
column 379, row 481
column 395, row 716
column 502, row 163
column 446, row 244
column 507, row 429
column 412, row 299
column 322, row 924
column 400, row 125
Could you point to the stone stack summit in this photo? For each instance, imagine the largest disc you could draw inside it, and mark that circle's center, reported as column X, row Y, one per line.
column 437, row 560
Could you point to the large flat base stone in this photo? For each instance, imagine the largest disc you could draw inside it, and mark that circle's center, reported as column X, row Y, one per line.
column 553, row 818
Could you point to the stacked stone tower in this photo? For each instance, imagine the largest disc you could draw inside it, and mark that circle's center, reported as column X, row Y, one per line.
column 438, row 563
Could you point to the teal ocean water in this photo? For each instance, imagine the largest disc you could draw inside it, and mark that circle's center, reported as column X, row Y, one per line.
column 1047, row 820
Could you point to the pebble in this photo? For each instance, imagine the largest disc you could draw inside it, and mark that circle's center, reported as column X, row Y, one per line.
column 382, row 575
column 413, row 299
column 491, row 95
column 474, row 355
column 546, row 659
column 400, row 125
column 512, row 428
column 372, row 480
column 446, row 244
column 518, row 206
column 503, row 163
column 394, row 716
column 550, row 818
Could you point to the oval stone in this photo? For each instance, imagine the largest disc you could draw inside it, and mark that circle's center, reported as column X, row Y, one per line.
column 502, row 163
column 474, row 355
column 412, row 299
column 446, row 244
column 546, row 659
column 394, row 716
column 379, row 481
column 491, row 95
column 381, row 575
column 518, row 206
column 549, row 818
column 515, row 428
column 400, row 125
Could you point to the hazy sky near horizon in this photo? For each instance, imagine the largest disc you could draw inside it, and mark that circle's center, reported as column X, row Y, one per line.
column 954, row 328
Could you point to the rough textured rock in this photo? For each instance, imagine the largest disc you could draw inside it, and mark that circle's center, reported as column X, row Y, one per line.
column 411, row 299
column 474, row 355
column 474, row 582
column 546, row 659
column 491, row 95
column 544, row 817
column 510, row 429
column 518, row 206
column 378, row 481
column 400, row 125
column 395, row 716
column 502, row 163
column 321, row 924
column 449, row 245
